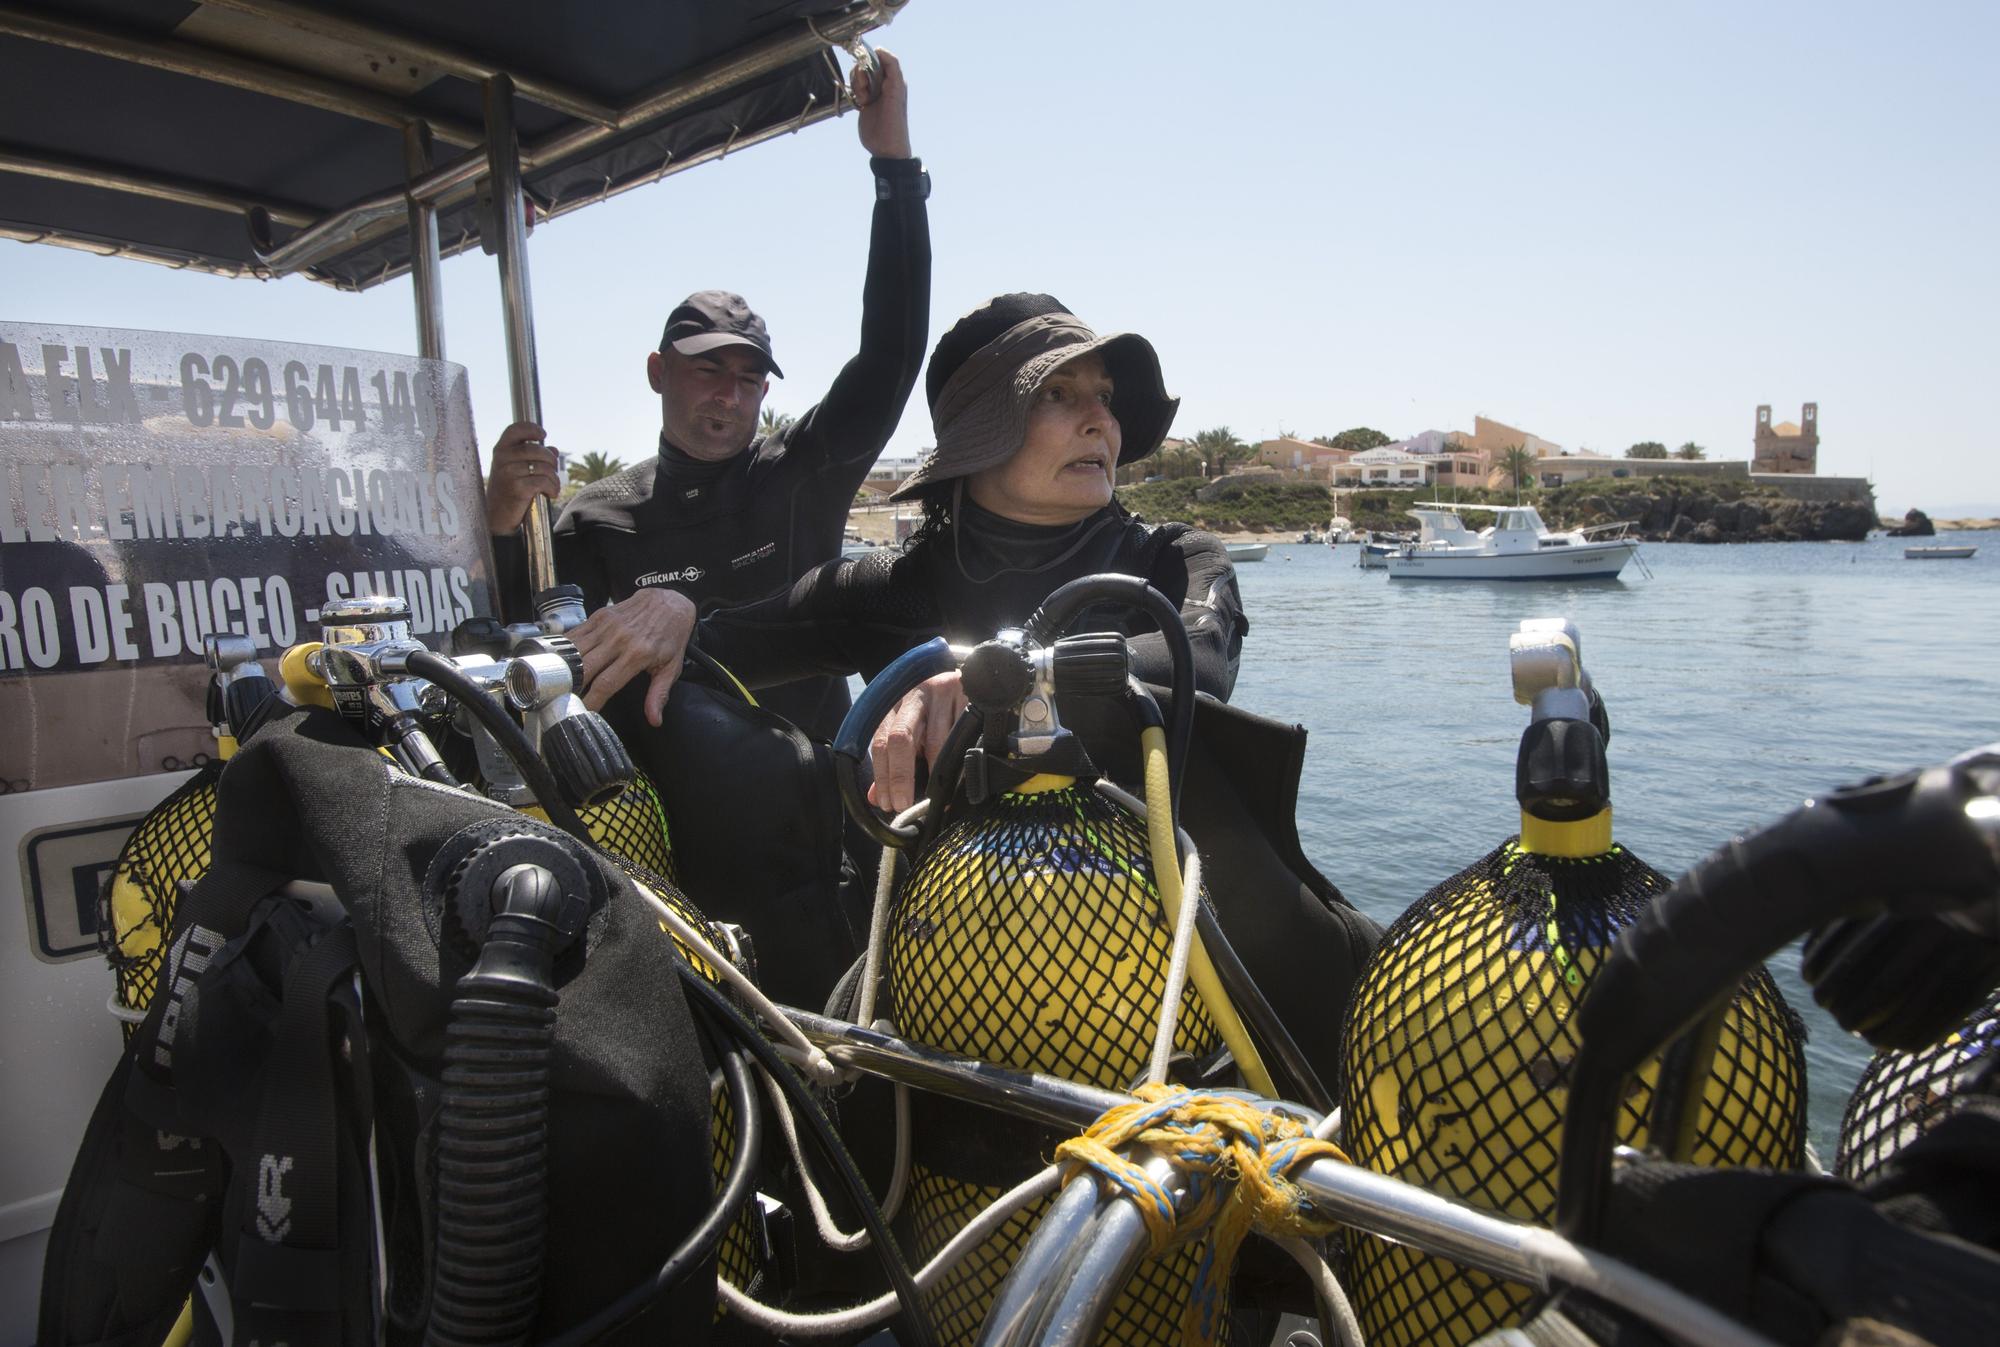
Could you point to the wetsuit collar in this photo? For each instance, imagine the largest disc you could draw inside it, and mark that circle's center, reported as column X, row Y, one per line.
column 684, row 477
column 989, row 545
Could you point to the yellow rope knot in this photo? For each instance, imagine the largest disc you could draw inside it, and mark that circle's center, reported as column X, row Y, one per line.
column 1233, row 1157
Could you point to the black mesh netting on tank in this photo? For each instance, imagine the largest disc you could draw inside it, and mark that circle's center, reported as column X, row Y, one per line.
column 1902, row 1095
column 1456, row 1054
column 170, row 847
column 1031, row 935
column 634, row 827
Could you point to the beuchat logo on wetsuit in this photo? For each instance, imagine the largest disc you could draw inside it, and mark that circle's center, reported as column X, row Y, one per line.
column 687, row 575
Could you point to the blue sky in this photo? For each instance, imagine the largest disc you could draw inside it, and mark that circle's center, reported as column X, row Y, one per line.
column 1599, row 224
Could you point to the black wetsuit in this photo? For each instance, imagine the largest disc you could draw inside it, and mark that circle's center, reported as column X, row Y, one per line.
column 983, row 573
column 740, row 529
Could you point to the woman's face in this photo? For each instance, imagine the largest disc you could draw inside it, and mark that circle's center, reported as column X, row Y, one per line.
column 1062, row 472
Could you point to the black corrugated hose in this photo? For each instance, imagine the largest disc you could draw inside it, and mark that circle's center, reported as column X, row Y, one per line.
column 492, row 1163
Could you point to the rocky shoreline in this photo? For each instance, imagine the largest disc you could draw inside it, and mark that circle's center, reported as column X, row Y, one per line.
column 1679, row 510
column 1661, row 509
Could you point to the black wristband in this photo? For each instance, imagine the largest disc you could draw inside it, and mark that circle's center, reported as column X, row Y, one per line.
column 900, row 179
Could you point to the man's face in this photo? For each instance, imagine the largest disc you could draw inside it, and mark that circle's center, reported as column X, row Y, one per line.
column 709, row 402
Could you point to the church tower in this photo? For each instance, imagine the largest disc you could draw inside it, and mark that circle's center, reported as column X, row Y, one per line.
column 1786, row 447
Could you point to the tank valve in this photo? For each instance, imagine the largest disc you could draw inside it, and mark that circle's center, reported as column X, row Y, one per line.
column 1560, row 773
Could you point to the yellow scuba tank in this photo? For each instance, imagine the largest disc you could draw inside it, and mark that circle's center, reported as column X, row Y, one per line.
column 168, row 848
column 171, row 844
column 1902, row 1095
column 1032, row 933
column 1459, row 1037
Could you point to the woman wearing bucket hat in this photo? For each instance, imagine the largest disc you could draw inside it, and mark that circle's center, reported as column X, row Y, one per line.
column 1033, row 414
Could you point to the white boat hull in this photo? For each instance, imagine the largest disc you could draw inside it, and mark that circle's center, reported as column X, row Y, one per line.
column 1242, row 552
column 1938, row 553
column 1582, row 561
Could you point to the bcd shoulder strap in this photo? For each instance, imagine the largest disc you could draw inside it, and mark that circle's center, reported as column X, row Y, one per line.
column 154, row 1187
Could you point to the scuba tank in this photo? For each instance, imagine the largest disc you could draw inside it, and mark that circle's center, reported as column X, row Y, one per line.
column 1902, row 1095
column 631, row 824
column 1459, row 1040
column 170, row 846
column 1034, row 931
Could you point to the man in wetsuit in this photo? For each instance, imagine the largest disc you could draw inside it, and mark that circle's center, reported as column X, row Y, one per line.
column 723, row 515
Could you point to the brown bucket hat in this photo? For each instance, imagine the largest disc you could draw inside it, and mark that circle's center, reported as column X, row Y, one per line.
column 986, row 371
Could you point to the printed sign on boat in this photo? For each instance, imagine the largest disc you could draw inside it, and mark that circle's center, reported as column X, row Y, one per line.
column 156, row 487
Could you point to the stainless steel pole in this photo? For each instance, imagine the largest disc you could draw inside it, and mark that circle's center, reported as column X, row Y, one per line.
column 559, row 611
column 1082, row 1255
column 425, row 279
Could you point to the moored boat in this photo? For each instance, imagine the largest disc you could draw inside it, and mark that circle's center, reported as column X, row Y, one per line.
column 1516, row 546
column 1946, row 552
column 1375, row 552
column 1242, row 552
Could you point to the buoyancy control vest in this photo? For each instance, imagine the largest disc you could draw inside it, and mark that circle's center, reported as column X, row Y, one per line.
column 758, row 829
column 220, row 1130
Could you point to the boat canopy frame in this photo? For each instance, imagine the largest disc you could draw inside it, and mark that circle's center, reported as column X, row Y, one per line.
column 136, row 128
column 265, row 138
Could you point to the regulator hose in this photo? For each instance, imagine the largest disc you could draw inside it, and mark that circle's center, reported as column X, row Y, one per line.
column 492, row 1147
column 1050, row 620
column 850, row 744
column 703, row 1239
column 917, row 1329
column 446, row 675
column 1167, row 874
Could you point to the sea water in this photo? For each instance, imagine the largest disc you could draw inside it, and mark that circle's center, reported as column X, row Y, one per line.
column 1740, row 680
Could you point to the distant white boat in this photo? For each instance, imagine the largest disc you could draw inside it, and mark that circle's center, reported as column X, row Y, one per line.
column 1942, row 552
column 1373, row 553
column 1517, row 545
column 1242, row 552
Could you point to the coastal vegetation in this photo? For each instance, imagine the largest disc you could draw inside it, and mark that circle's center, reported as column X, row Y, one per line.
column 1357, row 439
column 592, row 467
column 1232, row 506
column 1676, row 509
column 1662, row 509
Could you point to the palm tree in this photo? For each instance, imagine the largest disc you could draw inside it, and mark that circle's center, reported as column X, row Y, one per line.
column 1518, row 463
column 591, row 467
column 1691, row 451
column 1219, row 447
column 773, row 423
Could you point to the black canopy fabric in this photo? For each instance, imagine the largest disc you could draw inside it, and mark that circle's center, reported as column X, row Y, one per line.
column 97, row 115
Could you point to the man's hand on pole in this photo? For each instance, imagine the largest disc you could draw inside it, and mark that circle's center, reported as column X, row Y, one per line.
column 884, row 102
column 523, row 468
column 644, row 634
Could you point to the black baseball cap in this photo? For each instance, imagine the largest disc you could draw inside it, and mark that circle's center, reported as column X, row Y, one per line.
column 710, row 319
